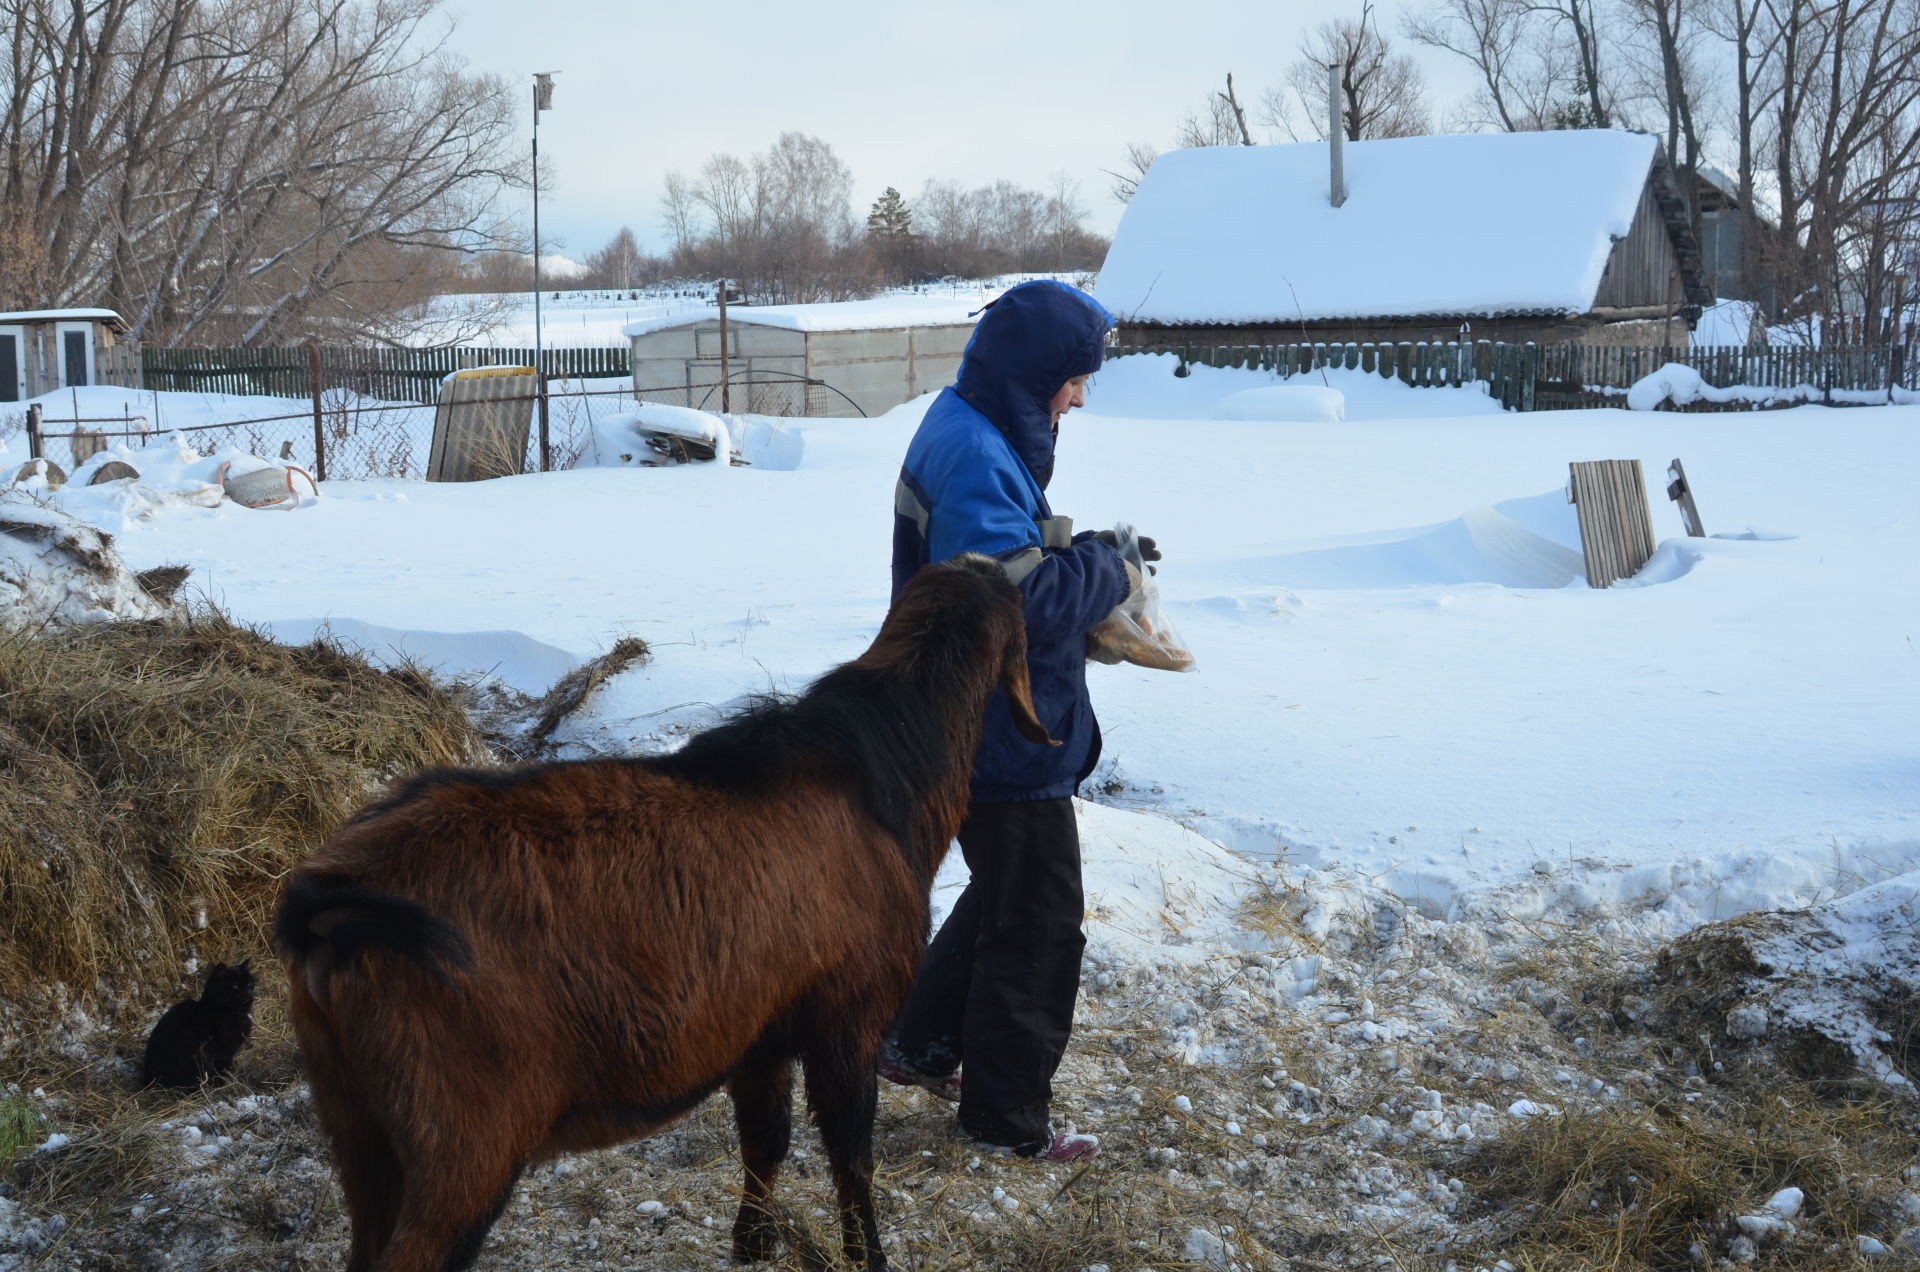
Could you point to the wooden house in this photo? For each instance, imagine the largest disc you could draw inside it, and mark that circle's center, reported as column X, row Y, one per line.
column 1549, row 237
column 46, row 349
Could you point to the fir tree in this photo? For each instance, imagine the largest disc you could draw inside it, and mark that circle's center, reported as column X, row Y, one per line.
column 891, row 218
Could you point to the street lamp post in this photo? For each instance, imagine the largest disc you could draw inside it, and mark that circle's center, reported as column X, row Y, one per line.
column 542, row 100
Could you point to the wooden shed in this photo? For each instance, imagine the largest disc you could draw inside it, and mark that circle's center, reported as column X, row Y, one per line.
column 46, row 349
column 842, row 359
column 1550, row 237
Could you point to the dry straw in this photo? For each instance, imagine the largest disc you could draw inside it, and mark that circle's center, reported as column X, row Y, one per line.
column 156, row 781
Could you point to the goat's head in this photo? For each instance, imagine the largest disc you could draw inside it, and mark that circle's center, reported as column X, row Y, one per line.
column 971, row 598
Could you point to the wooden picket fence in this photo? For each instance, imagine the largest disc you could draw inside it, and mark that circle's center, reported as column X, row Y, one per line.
column 1528, row 377
column 1523, row 376
column 394, row 375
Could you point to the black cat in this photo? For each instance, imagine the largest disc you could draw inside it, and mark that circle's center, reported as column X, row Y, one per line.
column 198, row 1040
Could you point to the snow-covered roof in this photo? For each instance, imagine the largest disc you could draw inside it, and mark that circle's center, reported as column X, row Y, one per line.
column 847, row 315
column 64, row 315
column 1482, row 223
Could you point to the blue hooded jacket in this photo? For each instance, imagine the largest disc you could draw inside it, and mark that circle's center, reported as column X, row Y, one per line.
column 974, row 480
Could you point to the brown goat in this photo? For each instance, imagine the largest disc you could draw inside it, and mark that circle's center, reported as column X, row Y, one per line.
column 489, row 968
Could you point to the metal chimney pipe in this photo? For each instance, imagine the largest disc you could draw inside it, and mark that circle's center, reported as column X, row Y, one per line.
column 1336, row 135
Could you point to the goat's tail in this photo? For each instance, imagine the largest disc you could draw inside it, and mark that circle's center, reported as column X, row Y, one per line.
column 325, row 922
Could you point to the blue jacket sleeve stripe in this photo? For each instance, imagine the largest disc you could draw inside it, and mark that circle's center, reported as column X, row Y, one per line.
column 1071, row 590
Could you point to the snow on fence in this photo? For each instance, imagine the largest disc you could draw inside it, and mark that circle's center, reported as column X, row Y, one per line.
column 1530, row 377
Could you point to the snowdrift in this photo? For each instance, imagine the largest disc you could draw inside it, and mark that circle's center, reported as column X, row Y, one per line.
column 1522, row 543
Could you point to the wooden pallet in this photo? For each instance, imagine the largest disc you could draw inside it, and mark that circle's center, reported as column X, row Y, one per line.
column 1616, row 525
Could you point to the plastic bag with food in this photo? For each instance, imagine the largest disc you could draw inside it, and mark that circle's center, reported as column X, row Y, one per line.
column 1137, row 631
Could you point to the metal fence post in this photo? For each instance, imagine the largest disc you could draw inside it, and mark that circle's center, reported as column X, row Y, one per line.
column 726, row 404
column 319, row 427
column 33, row 431
column 546, row 458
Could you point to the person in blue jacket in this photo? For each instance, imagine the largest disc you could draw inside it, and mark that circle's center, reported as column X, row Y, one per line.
column 996, row 986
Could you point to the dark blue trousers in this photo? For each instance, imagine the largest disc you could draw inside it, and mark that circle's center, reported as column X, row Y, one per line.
column 996, row 987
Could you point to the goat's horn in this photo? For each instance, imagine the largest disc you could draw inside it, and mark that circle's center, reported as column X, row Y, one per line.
column 1013, row 676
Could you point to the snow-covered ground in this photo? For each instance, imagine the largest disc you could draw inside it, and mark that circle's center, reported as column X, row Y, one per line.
column 1416, row 744
column 1401, row 669
column 573, row 318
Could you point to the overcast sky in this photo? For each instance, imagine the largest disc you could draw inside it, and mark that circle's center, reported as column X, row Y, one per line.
column 970, row 92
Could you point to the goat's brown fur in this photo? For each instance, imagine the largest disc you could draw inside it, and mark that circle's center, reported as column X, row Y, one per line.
column 491, row 968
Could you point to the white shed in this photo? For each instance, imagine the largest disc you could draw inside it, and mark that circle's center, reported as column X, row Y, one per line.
column 46, row 349
column 849, row 358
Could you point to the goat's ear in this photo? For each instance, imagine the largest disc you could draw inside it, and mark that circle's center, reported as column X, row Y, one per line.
column 1013, row 676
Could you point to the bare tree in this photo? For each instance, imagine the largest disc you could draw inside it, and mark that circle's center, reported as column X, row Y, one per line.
column 1068, row 240
column 249, row 172
column 1003, row 227
column 1529, row 73
column 780, row 224
column 1140, row 157
column 1216, row 122
column 1220, row 120
column 1669, row 34
column 727, row 192
column 1579, row 22
column 1750, row 28
column 1383, row 92
column 621, row 263
column 678, row 208
column 1847, row 147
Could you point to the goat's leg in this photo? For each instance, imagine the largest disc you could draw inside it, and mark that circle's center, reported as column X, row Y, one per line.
column 842, row 1093
column 762, row 1091
column 370, row 1179
column 363, row 1159
column 447, row 1209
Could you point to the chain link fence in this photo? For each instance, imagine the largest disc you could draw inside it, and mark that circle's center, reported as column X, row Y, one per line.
column 342, row 433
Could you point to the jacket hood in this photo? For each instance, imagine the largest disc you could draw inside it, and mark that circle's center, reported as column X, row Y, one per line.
column 1028, row 343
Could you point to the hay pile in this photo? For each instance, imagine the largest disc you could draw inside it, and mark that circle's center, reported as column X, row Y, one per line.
column 156, row 781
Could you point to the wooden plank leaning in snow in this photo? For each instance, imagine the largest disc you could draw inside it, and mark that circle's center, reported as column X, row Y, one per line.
column 493, row 967
column 1616, row 526
column 1681, row 492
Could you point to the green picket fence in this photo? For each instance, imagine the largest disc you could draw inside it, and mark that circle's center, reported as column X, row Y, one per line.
column 1527, row 376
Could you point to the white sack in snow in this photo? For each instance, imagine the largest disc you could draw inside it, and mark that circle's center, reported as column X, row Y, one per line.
column 171, row 474
column 1284, row 402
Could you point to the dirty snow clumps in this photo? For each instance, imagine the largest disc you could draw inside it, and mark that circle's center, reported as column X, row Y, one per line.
column 56, row 570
